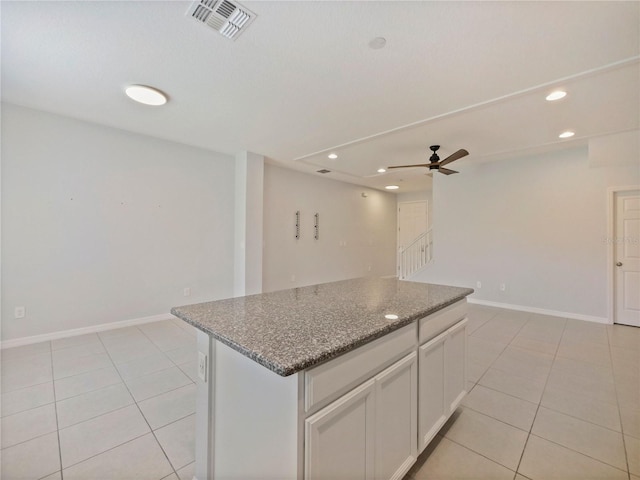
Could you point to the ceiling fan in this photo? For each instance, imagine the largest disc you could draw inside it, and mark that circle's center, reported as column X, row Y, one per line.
column 436, row 164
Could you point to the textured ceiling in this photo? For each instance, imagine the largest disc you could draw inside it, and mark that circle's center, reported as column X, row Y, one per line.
column 302, row 78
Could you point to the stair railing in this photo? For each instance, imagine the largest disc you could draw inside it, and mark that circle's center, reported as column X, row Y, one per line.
column 415, row 256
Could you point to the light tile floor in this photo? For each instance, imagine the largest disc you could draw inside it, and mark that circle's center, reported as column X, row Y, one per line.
column 114, row 405
column 549, row 398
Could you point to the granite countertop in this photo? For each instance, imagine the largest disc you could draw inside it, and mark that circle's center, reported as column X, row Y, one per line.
column 290, row 330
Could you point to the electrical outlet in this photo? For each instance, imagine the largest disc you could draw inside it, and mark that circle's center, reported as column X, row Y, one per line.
column 202, row 366
column 19, row 312
column 368, row 268
column 186, row 292
column 478, row 284
column 503, row 287
column 293, row 278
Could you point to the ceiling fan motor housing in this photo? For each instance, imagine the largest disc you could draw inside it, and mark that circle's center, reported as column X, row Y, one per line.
column 434, row 158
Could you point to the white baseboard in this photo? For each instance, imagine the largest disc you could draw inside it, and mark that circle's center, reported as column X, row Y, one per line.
column 542, row 311
column 19, row 342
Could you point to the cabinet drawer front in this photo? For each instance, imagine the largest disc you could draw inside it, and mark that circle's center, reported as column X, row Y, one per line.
column 436, row 323
column 326, row 382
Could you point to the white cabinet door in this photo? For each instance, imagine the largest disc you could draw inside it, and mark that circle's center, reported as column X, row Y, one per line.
column 396, row 419
column 455, row 366
column 431, row 406
column 340, row 437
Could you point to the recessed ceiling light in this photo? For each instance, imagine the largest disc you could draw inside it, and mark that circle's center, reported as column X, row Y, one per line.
column 557, row 95
column 146, row 95
column 382, row 170
column 332, row 156
column 378, row 43
column 567, row 134
column 392, row 187
column 391, row 316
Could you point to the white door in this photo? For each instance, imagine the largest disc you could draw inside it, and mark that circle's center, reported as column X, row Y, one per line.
column 627, row 258
column 412, row 222
column 340, row 438
column 397, row 419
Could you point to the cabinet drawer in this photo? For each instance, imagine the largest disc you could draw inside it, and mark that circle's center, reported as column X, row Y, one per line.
column 326, row 382
column 438, row 322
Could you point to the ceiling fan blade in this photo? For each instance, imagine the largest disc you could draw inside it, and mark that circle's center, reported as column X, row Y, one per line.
column 455, row 156
column 446, row 171
column 408, row 166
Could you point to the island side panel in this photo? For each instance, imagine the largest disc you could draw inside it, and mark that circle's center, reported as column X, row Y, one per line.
column 204, row 409
column 256, row 420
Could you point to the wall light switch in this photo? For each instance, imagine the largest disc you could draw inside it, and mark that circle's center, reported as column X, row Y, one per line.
column 503, row 287
column 186, row 292
column 202, row 366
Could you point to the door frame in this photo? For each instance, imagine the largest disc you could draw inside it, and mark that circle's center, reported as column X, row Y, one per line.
column 612, row 193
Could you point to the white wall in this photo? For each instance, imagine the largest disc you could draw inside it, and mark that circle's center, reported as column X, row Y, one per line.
column 537, row 224
column 101, row 225
column 367, row 225
column 249, row 181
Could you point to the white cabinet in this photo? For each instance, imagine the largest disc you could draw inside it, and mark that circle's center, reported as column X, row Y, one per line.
column 340, row 438
column 369, row 432
column 455, row 366
column 431, row 411
column 396, row 419
column 364, row 415
column 442, row 380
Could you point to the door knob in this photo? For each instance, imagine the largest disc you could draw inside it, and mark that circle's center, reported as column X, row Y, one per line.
column 619, row 264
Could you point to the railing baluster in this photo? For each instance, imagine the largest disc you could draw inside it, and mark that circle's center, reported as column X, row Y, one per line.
column 416, row 255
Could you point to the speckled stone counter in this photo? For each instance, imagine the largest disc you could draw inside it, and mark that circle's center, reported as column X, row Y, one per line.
column 290, row 330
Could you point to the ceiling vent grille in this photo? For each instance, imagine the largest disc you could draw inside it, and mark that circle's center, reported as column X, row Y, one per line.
column 229, row 19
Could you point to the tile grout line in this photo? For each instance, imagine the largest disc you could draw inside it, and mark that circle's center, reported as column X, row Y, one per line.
column 564, row 331
column 586, row 421
column 478, row 453
column 564, row 327
column 508, row 395
column 133, row 400
column 492, row 418
column 156, row 345
column 580, row 453
column 107, row 450
column 55, row 408
column 615, row 385
column 28, row 409
column 97, row 390
column 501, row 352
column 581, row 419
column 142, row 414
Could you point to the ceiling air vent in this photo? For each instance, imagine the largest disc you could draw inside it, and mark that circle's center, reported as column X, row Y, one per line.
column 324, row 170
column 228, row 18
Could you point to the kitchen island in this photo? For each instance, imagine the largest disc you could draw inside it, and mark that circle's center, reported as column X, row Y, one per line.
column 347, row 379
